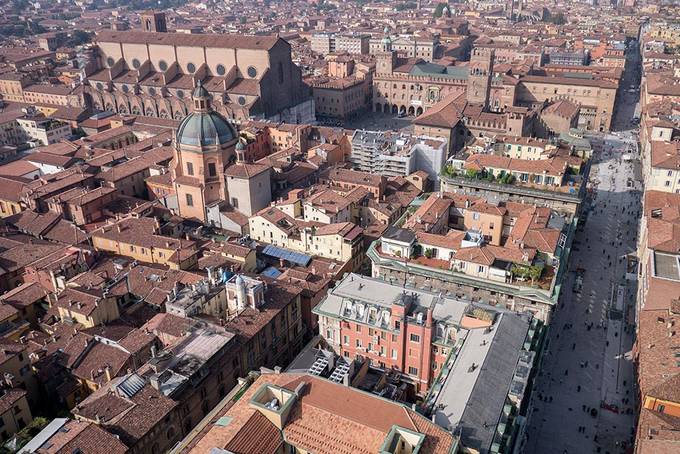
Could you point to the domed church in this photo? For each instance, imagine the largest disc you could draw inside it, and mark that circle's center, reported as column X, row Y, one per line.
column 204, row 145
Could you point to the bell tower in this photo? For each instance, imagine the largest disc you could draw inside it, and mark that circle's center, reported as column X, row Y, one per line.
column 479, row 76
column 153, row 21
column 509, row 8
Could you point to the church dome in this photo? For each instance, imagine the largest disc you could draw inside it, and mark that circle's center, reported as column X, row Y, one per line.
column 205, row 128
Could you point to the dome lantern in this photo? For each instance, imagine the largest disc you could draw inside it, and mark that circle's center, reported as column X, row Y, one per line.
column 201, row 98
column 204, row 127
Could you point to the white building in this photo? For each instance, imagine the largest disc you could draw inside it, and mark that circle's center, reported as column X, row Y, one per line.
column 390, row 154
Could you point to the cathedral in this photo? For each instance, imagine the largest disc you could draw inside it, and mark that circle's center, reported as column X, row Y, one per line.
column 151, row 72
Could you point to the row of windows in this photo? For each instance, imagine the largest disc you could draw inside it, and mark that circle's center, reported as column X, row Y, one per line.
column 212, row 169
column 220, row 69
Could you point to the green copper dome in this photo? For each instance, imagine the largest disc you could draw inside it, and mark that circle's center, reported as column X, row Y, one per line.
column 205, row 128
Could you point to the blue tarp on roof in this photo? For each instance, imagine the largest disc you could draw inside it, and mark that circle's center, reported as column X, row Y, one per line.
column 280, row 253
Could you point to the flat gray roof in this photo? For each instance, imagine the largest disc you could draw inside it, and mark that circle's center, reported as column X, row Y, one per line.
column 474, row 399
column 381, row 293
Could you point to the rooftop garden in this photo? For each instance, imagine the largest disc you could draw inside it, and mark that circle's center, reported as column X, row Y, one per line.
column 484, row 175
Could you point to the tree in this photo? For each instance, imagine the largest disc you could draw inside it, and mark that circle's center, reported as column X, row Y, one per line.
column 471, row 173
column 532, row 272
column 407, row 5
column 79, row 37
column 507, row 178
column 440, row 8
column 557, row 19
column 31, row 430
column 535, row 273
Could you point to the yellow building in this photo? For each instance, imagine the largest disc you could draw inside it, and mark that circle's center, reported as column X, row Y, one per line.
column 137, row 238
column 12, row 325
column 10, row 196
column 340, row 241
column 88, row 307
column 16, row 414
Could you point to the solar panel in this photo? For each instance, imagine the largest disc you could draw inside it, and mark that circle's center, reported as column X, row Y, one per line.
column 294, row 257
column 131, row 385
column 271, row 272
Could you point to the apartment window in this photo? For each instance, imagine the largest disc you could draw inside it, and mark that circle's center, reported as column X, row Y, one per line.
column 415, row 338
column 661, row 408
column 668, row 183
column 481, row 268
column 475, row 216
column 358, row 343
column 397, row 324
column 394, row 353
column 212, row 170
column 412, row 370
column 345, row 340
column 190, row 168
column 394, row 337
column 190, row 200
column 358, row 328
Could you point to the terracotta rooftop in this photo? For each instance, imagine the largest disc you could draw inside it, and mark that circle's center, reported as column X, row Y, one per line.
column 220, row 41
column 327, row 418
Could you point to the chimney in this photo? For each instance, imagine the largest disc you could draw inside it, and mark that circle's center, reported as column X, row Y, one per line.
column 153, row 381
column 107, row 371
